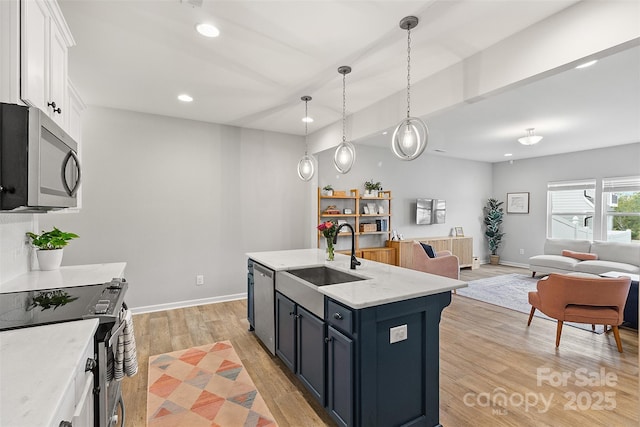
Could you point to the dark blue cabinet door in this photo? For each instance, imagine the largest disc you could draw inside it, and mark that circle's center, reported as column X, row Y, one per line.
column 286, row 330
column 311, row 353
column 340, row 377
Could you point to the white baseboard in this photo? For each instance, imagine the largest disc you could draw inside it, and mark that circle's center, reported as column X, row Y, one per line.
column 184, row 304
column 514, row 264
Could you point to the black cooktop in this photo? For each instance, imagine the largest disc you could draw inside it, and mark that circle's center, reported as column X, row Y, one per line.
column 41, row 307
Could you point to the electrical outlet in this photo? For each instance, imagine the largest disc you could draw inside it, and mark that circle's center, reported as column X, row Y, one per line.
column 521, row 251
column 399, row 333
column 199, row 280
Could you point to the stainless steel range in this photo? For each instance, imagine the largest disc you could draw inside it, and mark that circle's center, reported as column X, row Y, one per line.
column 103, row 301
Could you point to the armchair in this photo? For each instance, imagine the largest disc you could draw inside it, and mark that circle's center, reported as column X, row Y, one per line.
column 599, row 301
column 444, row 264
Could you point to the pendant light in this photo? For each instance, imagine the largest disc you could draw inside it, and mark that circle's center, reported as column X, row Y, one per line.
column 531, row 138
column 411, row 135
column 306, row 166
column 345, row 154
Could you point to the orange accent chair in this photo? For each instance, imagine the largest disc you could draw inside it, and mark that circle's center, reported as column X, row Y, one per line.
column 444, row 264
column 595, row 300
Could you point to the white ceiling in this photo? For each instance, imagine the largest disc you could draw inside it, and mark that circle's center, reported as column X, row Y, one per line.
column 139, row 55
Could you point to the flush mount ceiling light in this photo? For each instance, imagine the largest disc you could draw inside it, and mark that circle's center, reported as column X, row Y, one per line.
column 411, row 136
column 185, row 98
column 207, row 30
column 345, row 154
column 530, row 138
column 306, row 166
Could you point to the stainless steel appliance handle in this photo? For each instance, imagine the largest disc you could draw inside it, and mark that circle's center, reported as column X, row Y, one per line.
column 74, row 190
column 116, row 334
column 264, row 271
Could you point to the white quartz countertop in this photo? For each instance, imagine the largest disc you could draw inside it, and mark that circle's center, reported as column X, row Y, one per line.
column 76, row 275
column 37, row 366
column 384, row 283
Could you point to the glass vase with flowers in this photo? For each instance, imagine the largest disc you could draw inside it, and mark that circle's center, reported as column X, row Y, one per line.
column 328, row 230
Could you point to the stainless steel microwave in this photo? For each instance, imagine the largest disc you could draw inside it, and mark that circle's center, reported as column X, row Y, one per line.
column 39, row 166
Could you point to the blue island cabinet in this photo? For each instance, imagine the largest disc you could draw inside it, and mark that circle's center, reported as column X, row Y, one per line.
column 383, row 362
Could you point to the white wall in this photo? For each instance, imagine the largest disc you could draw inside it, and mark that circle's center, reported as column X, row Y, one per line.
column 175, row 198
column 464, row 184
column 528, row 231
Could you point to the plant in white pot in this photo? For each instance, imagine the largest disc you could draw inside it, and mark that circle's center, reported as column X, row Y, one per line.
column 50, row 246
column 372, row 188
column 493, row 220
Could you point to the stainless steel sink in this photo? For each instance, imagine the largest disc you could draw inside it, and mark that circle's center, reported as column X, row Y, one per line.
column 322, row 276
column 301, row 285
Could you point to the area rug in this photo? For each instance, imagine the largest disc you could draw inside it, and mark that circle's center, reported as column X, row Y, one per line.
column 512, row 291
column 203, row 386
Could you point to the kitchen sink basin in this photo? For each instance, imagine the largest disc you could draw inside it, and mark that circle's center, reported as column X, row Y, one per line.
column 322, row 276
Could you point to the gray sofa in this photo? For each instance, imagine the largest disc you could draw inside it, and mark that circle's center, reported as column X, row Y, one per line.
column 612, row 256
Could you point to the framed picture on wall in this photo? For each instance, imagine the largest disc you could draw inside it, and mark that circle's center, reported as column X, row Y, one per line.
column 518, row 203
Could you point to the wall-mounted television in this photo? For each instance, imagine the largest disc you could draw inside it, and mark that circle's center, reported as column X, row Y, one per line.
column 431, row 211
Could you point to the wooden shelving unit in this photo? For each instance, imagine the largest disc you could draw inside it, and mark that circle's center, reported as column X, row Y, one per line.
column 354, row 201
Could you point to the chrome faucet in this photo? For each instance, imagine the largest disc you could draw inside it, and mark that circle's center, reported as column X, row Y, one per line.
column 354, row 261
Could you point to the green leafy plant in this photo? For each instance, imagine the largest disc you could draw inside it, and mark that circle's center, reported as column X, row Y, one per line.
column 371, row 186
column 49, row 240
column 327, row 187
column 51, row 299
column 493, row 214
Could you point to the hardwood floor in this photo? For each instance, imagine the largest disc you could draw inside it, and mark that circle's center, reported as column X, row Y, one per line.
column 487, row 354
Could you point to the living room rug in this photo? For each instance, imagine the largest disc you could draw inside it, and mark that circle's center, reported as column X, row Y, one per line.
column 512, row 291
column 203, row 386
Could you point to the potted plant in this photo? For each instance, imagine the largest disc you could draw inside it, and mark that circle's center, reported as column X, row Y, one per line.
column 493, row 220
column 371, row 188
column 327, row 190
column 50, row 244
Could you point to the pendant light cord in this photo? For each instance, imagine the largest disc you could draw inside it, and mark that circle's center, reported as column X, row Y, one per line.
column 408, row 71
column 344, row 108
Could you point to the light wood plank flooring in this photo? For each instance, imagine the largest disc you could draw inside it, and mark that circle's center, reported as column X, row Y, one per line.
column 486, row 352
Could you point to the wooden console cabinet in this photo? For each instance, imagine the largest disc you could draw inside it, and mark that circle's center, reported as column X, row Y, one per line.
column 462, row 247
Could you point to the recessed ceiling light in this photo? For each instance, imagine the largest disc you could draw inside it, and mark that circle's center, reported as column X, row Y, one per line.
column 385, row 132
column 307, row 119
column 508, row 155
column 207, row 30
column 185, row 98
column 587, row 64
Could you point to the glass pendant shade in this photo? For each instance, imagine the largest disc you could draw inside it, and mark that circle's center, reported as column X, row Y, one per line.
column 531, row 138
column 344, row 157
column 410, row 138
column 306, row 168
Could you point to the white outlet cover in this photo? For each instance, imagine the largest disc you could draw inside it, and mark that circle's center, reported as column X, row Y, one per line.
column 397, row 334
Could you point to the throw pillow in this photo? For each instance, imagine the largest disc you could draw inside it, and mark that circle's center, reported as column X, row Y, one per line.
column 429, row 250
column 582, row 256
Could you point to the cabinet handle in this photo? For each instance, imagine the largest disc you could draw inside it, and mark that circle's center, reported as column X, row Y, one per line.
column 328, row 340
column 337, row 316
column 298, row 316
column 53, row 105
column 291, row 313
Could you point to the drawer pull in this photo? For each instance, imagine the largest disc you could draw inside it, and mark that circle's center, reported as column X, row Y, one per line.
column 328, row 340
column 337, row 316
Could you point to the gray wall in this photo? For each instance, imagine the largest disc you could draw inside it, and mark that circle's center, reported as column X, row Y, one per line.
column 528, row 231
column 464, row 184
column 175, row 198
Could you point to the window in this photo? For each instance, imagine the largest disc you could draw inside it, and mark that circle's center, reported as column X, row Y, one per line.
column 571, row 209
column 621, row 209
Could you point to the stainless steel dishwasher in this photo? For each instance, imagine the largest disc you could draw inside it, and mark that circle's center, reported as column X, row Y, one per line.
column 263, row 294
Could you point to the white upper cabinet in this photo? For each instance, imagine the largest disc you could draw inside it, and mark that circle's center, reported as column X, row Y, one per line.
column 45, row 40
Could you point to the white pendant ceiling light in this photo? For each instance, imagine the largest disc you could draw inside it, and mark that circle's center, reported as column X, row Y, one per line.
column 531, row 138
column 306, row 166
column 345, row 154
column 411, row 136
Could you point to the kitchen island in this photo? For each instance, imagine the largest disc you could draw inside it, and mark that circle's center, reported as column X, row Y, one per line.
column 370, row 353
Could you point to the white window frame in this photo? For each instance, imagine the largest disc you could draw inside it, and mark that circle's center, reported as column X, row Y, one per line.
column 582, row 184
column 613, row 185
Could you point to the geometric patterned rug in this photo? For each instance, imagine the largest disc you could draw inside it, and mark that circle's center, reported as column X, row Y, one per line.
column 203, row 386
column 512, row 291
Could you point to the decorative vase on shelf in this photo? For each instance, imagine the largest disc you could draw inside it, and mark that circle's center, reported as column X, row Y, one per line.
column 330, row 249
column 49, row 259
